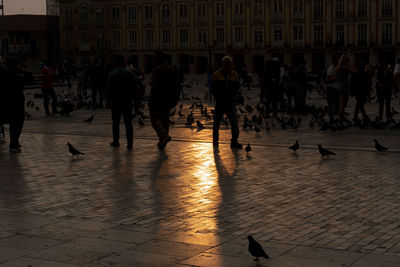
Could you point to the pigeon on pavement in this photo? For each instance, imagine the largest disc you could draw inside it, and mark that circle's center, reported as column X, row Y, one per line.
column 90, row 119
column 379, row 147
column 74, row 151
column 324, row 152
column 256, row 249
column 295, row 147
column 248, row 148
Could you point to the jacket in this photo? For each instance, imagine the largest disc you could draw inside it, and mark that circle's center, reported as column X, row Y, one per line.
column 225, row 87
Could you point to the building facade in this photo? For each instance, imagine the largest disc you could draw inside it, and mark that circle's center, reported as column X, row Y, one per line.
column 197, row 33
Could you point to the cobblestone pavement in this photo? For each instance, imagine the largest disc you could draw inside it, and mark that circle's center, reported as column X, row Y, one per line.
column 194, row 205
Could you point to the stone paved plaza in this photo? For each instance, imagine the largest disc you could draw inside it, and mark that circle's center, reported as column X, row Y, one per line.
column 194, row 205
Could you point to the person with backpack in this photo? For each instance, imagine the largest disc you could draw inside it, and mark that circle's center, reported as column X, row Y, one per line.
column 164, row 96
column 120, row 90
column 225, row 88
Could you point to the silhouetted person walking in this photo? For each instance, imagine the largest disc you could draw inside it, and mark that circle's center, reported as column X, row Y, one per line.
column 98, row 80
column 225, row 87
column 47, row 75
column 384, row 89
column 360, row 88
column 121, row 86
column 300, row 77
column 332, row 89
column 14, row 102
column 164, row 96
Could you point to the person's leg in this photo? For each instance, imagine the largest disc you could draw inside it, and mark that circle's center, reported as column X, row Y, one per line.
column 331, row 105
column 116, row 118
column 357, row 108
column 16, row 126
column 381, row 101
column 94, row 97
column 388, row 100
column 101, row 97
column 231, row 114
column 46, row 100
column 218, row 114
column 127, row 114
column 156, row 121
column 53, row 100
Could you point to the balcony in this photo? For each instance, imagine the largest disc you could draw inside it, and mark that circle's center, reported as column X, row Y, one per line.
column 148, row 21
column 298, row 43
column 201, row 45
column 238, row 45
column 166, row 21
column 298, row 15
column 133, row 46
column 116, row 22
column 238, row 18
column 220, row 19
column 183, row 45
column 201, row 20
column 220, row 44
column 149, row 45
column 166, row 46
column 258, row 45
column 183, row 20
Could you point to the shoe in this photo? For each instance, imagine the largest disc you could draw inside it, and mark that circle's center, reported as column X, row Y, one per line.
column 236, row 145
column 15, row 150
column 162, row 145
column 114, row 144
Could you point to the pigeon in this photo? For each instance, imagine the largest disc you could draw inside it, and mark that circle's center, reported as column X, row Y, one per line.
column 256, row 249
column 200, row 125
column 141, row 123
column 248, row 148
column 295, row 147
column 379, row 147
column 324, row 152
column 90, row 119
column 256, row 128
column 74, row 151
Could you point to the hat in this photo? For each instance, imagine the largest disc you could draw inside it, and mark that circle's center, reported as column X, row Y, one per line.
column 227, row 59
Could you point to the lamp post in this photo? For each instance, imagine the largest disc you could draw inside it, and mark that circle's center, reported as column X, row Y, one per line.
column 210, row 47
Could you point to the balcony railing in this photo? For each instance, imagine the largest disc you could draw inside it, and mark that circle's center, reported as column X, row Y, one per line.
column 277, row 44
column 148, row 21
column 183, row 20
column 84, row 47
column 220, row 19
column 133, row 46
column 238, row 18
column 318, row 42
column 201, row 19
column 166, row 45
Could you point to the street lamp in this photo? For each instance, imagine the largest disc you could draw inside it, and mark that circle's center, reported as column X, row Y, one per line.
column 210, row 47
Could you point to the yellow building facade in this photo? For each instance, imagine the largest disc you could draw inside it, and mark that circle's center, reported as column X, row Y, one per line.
column 196, row 33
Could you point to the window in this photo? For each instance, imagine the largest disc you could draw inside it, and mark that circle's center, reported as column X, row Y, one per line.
column 238, row 12
column 166, row 13
column 220, row 37
column 258, row 9
column 68, row 17
column 297, row 33
column 258, row 37
column 387, row 33
column 116, row 16
column 132, row 15
column 148, row 14
column 100, row 43
column 298, row 9
column 318, row 35
column 84, row 41
column 184, row 36
column 239, row 34
column 318, row 9
column 116, row 39
column 132, row 39
column 149, row 39
column 201, row 38
column 84, row 16
column 340, row 34
column 362, row 34
column 362, row 8
column 201, row 13
column 278, row 6
column 183, row 13
column 69, row 44
column 387, row 8
column 220, row 12
column 339, row 12
column 278, row 35
column 99, row 16
column 166, row 38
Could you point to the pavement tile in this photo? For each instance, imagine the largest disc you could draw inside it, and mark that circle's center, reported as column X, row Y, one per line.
column 378, row 260
column 125, row 236
column 164, row 247
column 28, row 242
column 206, row 260
column 98, row 245
column 35, row 262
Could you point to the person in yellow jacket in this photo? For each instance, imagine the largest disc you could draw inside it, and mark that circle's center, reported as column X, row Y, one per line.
column 225, row 87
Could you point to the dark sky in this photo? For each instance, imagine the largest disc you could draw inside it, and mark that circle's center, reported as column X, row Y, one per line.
column 24, row 7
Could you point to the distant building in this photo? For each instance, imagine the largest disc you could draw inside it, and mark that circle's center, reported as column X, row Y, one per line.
column 250, row 31
column 26, row 37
